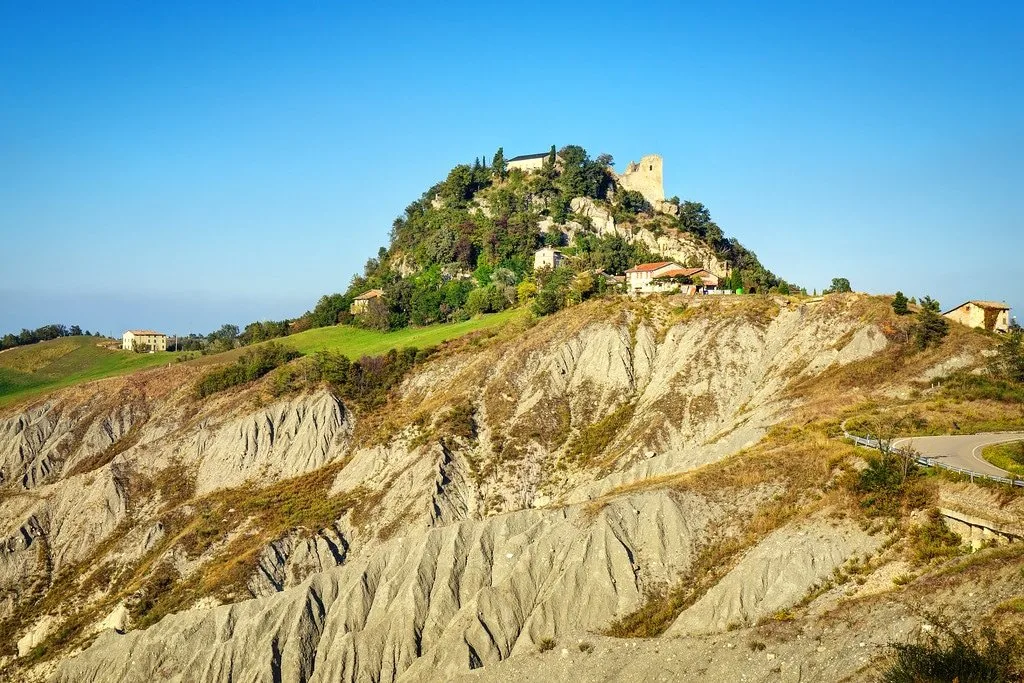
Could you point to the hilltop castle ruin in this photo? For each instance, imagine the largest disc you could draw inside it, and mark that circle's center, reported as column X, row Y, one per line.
column 645, row 177
column 642, row 176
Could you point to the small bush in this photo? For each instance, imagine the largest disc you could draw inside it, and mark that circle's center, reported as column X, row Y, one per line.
column 902, row 579
column 586, row 648
column 756, row 645
column 933, row 539
column 956, row 655
column 546, row 645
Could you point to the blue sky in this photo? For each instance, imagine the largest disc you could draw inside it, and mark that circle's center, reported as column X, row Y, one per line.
column 181, row 165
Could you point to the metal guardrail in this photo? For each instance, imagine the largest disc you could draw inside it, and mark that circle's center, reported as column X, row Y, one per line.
column 932, row 462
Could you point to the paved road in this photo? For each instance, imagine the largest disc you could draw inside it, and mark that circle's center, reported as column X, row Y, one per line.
column 961, row 451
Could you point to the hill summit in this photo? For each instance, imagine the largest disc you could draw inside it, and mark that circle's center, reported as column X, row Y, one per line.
column 468, row 244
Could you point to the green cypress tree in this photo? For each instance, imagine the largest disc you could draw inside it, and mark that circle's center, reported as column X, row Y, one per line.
column 899, row 304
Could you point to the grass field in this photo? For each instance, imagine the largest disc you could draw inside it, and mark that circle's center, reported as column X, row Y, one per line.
column 29, row 371
column 26, row 371
column 1007, row 456
column 356, row 342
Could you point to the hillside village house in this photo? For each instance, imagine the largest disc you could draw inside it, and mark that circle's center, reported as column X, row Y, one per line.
column 139, row 340
column 527, row 162
column 548, row 257
column 362, row 302
column 640, row 276
column 993, row 316
column 709, row 279
column 664, row 276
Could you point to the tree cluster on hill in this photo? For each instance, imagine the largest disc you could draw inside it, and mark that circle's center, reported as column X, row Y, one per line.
column 44, row 333
column 365, row 382
column 253, row 364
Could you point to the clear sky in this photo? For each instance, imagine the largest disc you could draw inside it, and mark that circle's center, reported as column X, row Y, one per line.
column 179, row 165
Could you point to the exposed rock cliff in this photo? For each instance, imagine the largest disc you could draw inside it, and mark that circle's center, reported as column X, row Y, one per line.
column 546, row 483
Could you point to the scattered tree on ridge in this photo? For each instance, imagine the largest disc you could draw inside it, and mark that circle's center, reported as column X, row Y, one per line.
column 840, row 285
column 899, row 304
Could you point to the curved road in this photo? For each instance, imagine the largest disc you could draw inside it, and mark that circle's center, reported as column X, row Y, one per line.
column 961, row 451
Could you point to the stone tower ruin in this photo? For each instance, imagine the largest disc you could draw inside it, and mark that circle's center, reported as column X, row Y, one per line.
column 645, row 177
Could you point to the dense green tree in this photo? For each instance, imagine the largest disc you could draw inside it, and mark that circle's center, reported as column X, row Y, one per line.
column 931, row 327
column 899, row 304
column 581, row 176
column 610, row 253
column 632, row 201
column 930, row 304
column 329, row 309
column 553, row 238
column 839, row 286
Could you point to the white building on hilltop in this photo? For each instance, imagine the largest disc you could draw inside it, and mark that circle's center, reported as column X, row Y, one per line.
column 144, row 340
column 527, row 162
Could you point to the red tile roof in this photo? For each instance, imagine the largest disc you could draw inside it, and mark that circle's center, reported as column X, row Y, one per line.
column 370, row 294
column 648, row 267
column 683, row 272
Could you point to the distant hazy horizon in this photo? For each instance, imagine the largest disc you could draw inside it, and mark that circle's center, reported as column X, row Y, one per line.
column 182, row 166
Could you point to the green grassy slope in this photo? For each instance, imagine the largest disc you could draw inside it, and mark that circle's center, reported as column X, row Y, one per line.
column 356, row 342
column 26, row 371
column 29, row 371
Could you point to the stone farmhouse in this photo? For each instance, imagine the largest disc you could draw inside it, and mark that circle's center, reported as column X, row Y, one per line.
column 362, row 302
column 665, row 276
column 548, row 257
column 993, row 316
column 144, row 340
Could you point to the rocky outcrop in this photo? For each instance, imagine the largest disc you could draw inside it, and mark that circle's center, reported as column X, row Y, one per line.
column 427, row 605
column 284, row 440
column 37, row 445
column 775, row 575
column 27, row 443
column 509, row 495
column 291, row 560
column 670, row 244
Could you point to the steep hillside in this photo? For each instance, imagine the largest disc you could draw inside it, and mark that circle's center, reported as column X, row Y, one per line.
column 663, row 468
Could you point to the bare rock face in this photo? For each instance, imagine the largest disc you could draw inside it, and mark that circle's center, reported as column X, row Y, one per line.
column 426, row 605
column 284, row 440
column 59, row 530
column 291, row 560
column 775, row 575
column 600, row 218
column 35, row 635
column 26, row 444
column 42, row 442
